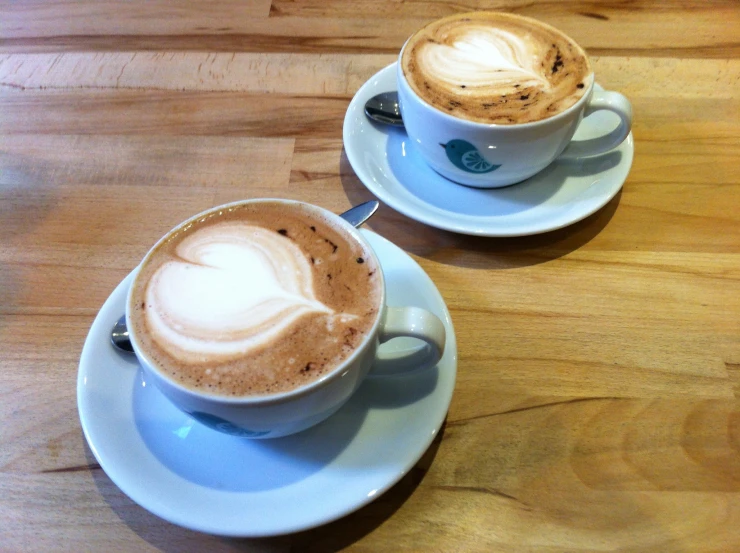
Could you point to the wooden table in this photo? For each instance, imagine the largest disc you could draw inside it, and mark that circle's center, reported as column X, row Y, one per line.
column 597, row 404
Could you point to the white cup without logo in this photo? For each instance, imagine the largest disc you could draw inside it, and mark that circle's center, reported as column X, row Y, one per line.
column 281, row 414
column 519, row 150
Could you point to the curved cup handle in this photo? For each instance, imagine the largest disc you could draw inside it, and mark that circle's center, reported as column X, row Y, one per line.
column 412, row 322
column 603, row 100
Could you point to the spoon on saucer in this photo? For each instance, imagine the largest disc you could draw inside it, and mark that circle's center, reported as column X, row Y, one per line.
column 355, row 216
column 384, row 109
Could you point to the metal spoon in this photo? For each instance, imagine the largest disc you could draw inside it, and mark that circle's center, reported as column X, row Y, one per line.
column 119, row 336
column 383, row 108
column 356, row 216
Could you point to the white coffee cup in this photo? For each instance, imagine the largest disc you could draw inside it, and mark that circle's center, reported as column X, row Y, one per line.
column 281, row 414
column 519, row 150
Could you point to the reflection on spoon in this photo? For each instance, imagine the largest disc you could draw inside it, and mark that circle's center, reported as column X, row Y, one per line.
column 356, row 216
column 119, row 336
column 384, row 109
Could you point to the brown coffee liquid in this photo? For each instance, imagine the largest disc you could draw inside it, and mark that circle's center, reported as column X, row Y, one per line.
column 345, row 277
column 498, row 68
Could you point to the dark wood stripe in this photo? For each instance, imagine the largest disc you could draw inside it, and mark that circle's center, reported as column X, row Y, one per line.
column 365, row 44
column 532, row 407
column 78, row 468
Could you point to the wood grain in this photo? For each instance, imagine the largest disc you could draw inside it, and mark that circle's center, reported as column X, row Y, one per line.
column 675, row 28
column 597, row 405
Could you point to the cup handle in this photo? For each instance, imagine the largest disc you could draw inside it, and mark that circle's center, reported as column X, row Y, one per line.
column 412, row 322
column 603, row 100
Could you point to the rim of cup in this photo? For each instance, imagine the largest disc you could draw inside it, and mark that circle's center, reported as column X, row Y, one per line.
column 278, row 397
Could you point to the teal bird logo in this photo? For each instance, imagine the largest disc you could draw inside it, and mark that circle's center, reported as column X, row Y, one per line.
column 465, row 156
column 217, row 423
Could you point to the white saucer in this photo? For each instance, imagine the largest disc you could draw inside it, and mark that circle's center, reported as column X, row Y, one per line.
column 207, row 481
column 565, row 192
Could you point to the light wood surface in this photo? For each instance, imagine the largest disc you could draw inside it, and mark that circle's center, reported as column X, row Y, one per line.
column 597, row 405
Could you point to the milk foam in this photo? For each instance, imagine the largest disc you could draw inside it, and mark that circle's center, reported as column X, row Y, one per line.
column 254, row 298
column 495, row 68
column 486, row 58
column 232, row 288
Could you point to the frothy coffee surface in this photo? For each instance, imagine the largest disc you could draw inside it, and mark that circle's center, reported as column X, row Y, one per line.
column 497, row 68
column 257, row 299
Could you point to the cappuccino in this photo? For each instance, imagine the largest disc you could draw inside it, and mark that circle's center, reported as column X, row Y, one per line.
column 254, row 299
column 498, row 68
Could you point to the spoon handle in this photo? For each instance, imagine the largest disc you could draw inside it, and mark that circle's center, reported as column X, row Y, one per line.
column 357, row 215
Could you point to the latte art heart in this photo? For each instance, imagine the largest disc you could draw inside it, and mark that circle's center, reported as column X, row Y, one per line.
column 232, row 288
column 255, row 298
column 485, row 57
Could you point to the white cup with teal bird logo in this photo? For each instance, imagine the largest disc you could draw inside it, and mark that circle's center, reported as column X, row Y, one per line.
column 495, row 154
